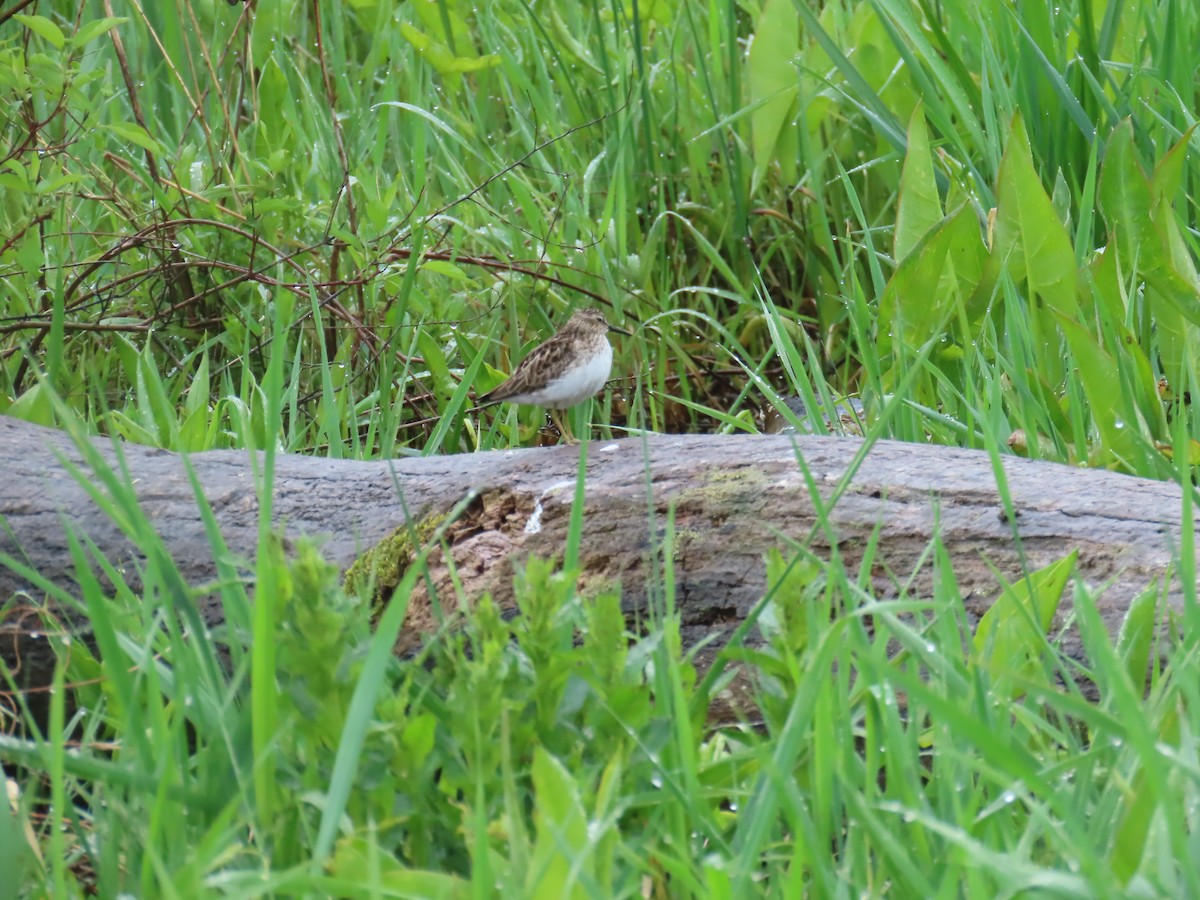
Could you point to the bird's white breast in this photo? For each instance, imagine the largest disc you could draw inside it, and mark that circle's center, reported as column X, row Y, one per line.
column 577, row 383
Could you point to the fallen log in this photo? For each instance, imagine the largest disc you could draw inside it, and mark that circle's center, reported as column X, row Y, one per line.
column 732, row 497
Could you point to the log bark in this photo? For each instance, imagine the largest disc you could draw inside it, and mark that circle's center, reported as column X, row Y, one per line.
column 733, row 498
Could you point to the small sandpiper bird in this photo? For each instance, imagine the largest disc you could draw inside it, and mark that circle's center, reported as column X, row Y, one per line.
column 568, row 368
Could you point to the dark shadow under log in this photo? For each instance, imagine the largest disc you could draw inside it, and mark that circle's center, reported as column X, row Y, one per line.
column 734, row 497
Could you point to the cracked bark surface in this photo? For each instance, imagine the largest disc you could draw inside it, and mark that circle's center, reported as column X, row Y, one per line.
column 734, row 497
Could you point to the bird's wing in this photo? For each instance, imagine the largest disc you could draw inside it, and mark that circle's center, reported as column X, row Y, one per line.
column 518, row 381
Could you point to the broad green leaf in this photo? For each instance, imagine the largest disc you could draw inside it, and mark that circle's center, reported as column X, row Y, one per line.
column 446, row 268
column 1191, row 451
column 1181, row 262
column 1126, row 200
column 1029, row 238
column 94, row 29
column 1150, row 247
column 558, row 868
column 439, row 56
column 52, row 185
column 155, row 409
column 919, row 208
column 135, row 134
column 650, row 11
column 34, row 405
column 196, row 431
column 11, row 181
column 568, row 41
column 435, row 359
column 200, row 424
column 1178, row 337
column 198, row 394
column 942, row 270
column 120, row 423
column 1102, row 291
column 1101, row 379
column 270, row 20
column 785, row 620
column 717, row 882
column 435, row 16
column 1168, row 174
column 773, row 84
column 1006, row 643
column 604, row 832
column 16, row 849
column 1145, row 229
column 31, row 256
column 1140, row 810
column 354, row 858
column 880, row 60
column 881, row 115
column 1060, row 199
column 43, row 27
column 1174, row 292
column 417, row 740
column 1102, row 295
column 272, row 113
column 1137, row 635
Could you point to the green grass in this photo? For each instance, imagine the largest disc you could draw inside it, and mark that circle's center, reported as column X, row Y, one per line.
column 323, row 231
column 554, row 753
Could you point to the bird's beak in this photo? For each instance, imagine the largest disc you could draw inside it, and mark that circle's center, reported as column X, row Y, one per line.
column 620, row 331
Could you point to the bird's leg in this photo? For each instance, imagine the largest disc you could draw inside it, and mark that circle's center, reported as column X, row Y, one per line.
column 561, row 423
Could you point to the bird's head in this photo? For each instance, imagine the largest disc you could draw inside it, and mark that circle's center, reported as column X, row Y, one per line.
column 591, row 321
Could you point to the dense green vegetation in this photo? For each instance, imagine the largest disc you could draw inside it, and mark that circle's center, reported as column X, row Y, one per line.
column 322, row 228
